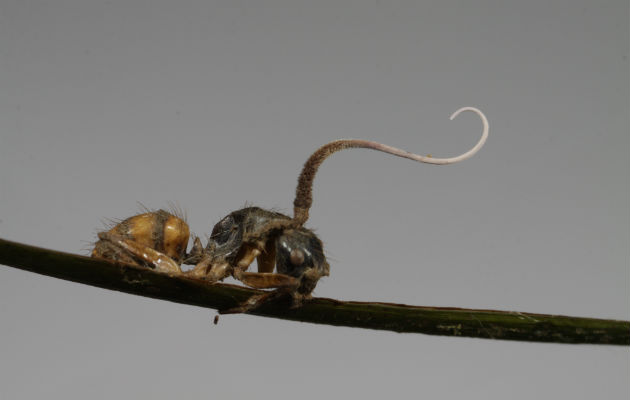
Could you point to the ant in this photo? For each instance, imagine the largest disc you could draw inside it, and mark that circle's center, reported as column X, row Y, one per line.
column 158, row 239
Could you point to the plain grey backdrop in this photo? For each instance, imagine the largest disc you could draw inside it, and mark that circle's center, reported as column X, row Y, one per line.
column 212, row 104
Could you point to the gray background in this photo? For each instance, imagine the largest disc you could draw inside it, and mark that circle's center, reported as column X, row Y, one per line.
column 214, row 104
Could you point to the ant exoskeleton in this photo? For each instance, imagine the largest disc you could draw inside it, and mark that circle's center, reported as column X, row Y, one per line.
column 158, row 239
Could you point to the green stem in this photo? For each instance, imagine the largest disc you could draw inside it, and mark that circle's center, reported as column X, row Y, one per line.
column 487, row 324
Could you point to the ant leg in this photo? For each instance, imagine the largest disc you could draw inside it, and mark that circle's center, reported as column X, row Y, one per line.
column 256, row 301
column 266, row 280
column 284, row 285
column 161, row 262
column 211, row 271
column 214, row 269
column 250, row 304
column 267, row 258
column 196, row 253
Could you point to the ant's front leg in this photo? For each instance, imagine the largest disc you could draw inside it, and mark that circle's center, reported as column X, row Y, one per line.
column 160, row 261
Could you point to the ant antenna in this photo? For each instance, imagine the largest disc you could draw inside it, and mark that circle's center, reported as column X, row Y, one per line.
column 304, row 192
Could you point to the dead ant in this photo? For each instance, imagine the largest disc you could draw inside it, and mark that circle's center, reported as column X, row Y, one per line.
column 158, row 239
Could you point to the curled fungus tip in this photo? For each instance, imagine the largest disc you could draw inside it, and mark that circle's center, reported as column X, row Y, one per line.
column 482, row 140
column 304, row 191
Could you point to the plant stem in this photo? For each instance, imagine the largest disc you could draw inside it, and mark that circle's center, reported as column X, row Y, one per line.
column 489, row 324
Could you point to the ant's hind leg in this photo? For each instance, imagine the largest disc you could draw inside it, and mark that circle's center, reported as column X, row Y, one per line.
column 267, row 280
column 161, row 262
column 256, row 301
column 284, row 285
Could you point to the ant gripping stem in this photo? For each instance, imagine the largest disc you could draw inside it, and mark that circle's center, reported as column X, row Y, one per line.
column 304, row 191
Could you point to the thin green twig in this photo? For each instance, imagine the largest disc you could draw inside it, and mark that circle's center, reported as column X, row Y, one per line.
column 487, row 324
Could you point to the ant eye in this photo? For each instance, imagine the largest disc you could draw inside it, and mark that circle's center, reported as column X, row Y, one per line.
column 296, row 257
